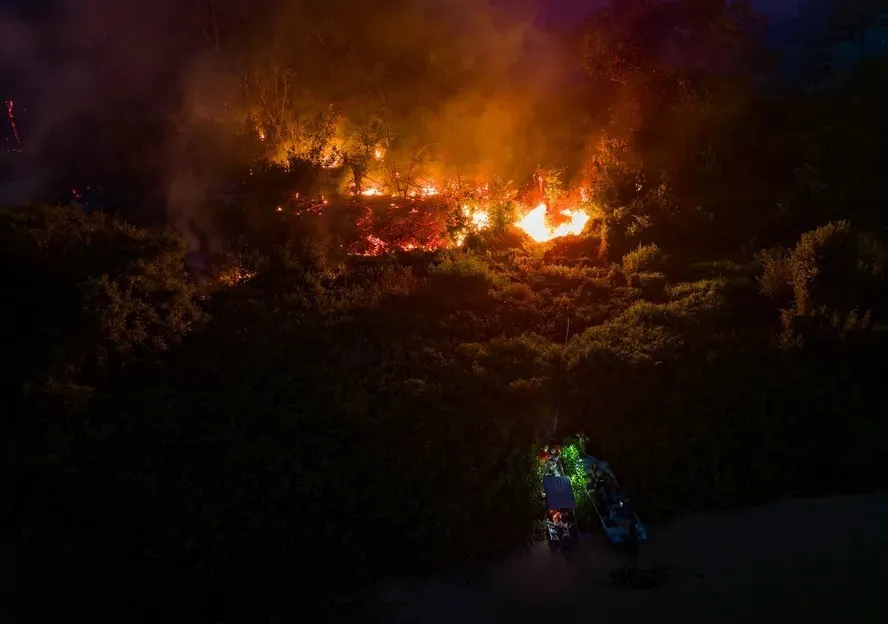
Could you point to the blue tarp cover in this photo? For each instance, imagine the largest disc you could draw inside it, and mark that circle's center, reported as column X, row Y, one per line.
column 559, row 493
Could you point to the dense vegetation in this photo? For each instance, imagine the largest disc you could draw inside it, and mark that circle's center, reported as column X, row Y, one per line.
column 304, row 423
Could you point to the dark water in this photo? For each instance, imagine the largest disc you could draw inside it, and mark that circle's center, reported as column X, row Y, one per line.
column 799, row 561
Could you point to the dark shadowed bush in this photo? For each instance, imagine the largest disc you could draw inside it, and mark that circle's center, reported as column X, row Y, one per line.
column 832, row 283
column 92, row 291
column 776, row 276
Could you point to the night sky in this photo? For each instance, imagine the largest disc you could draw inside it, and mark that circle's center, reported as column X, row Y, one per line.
column 563, row 11
column 566, row 11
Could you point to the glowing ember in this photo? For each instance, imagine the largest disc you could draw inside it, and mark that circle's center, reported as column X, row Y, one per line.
column 428, row 190
column 261, row 134
column 539, row 229
column 333, row 162
column 234, row 276
column 10, row 113
column 378, row 153
column 373, row 246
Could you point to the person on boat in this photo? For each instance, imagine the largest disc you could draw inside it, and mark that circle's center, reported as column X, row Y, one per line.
column 633, row 529
column 555, row 460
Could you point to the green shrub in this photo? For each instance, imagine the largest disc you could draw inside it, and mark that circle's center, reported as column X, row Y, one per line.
column 834, row 266
column 653, row 285
column 643, row 258
column 92, row 291
column 466, row 266
column 518, row 290
column 617, row 277
column 830, row 284
column 776, row 275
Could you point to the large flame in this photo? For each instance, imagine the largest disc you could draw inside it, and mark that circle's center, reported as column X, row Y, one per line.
column 480, row 219
column 413, row 225
column 535, row 224
column 427, row 190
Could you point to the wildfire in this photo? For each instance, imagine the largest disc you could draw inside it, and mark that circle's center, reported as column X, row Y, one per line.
column 234, row 276
column 480, row 219
column 373, row 246
column 536, row 225
column 333, row 161
column 378, row 153
column 411, row 224
column 427, row 190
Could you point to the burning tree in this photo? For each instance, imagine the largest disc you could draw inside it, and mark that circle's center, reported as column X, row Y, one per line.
column 268, row 98
column 364, row 149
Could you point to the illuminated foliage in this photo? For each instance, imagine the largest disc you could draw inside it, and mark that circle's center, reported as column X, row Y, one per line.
column 573, row 468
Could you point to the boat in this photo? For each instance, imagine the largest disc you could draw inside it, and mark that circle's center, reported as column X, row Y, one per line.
column 561, row 511
column 614, row 508
column 561, row 503
column 568, row 475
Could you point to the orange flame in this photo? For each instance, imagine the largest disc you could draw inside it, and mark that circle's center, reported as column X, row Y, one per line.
column 428, row 190
column 535, row 224
column 479, row 219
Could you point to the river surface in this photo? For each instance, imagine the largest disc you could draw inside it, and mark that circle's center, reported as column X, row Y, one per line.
column 811, row 560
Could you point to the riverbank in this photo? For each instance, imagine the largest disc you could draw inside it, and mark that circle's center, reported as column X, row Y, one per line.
column 804, row 560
